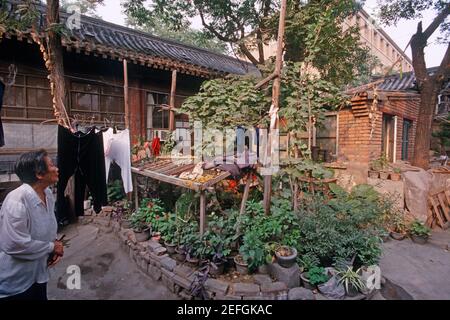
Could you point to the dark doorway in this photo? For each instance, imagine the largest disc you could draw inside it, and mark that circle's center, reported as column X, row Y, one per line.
column 387, row 136
column 407, row 125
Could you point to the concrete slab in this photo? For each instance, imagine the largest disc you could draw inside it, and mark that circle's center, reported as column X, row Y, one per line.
column 106, row 270
column 420, row 270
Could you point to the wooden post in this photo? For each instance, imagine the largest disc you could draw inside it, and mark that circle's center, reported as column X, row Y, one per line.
column 125, row 93
column 275, row 103
column 136, row 192
column 202, row 211
column 173, row 89
column 245, row 195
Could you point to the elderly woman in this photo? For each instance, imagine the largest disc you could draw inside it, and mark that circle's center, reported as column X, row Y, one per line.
column 28, row 245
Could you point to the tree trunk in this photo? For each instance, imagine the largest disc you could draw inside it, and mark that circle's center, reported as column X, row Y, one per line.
column 428, row 99
column 55, row 64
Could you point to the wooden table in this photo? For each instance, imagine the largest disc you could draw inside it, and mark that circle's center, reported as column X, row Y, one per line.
column 166, row 170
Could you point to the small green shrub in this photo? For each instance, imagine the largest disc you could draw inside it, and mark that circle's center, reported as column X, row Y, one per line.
column 419, row 229
column 317, row 275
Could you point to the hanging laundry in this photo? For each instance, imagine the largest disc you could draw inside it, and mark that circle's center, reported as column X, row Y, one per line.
column 2, row 91
column 117, row 149
column 156, row 146
column 83, row 155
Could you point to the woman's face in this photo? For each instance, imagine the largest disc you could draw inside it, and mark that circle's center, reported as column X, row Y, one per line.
column 51, row 176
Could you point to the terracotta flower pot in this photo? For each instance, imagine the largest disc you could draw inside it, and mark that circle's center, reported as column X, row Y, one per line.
column 384, row 175
column 374, row 174
column 396, row 176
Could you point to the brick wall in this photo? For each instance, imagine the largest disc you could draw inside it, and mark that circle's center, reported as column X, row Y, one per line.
column 359, row 143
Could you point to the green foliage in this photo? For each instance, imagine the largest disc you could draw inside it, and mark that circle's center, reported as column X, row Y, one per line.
column 419, row 229
column 346, row 226
column 443, row 134
column 150, row 212
column 317, row 275
column 351, row 278
column 115, row 191
column 380, row 164
column 308, row 261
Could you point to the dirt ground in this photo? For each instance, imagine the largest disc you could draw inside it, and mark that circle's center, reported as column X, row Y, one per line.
column 107, row 273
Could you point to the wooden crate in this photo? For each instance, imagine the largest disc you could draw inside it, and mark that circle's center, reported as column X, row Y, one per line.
column 439, row 209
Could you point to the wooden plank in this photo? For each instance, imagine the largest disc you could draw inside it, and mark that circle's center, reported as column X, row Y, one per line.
column 213, row 181
column 136, row 192
column 436, row 211
column 444, row 206
column 447, row 195
column 155, row 165
column 429, row 221
column 202, row 211
column 165, row 168
column 245, row 195
column 180, row 169
column 169, row 179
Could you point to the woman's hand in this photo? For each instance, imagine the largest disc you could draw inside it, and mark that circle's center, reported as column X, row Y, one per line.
column 59, row 248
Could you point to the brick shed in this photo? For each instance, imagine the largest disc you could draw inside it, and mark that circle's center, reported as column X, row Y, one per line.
column 381, row 119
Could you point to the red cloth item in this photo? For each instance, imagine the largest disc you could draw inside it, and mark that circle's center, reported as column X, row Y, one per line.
column 156, row 146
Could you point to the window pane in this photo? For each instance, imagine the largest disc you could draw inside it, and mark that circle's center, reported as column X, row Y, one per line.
column 44, row 99
column 81, row 101
column 40, row 114
column 95, row 102
column 151, row 98
column 31, row 97
column 38, row 82
column 163, row 99
column 13, row 112
column 157, row 118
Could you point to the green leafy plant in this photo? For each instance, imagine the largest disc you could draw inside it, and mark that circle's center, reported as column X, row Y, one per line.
column 380, row 164
column 419, row 229
column 308, row 261
column 115, row 191
column 317, row 275
column 351, row 278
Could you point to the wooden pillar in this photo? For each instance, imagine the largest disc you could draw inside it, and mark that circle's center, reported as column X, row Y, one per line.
column 275, row 103
column 394, row 151
column 125, row 93
column 136, row 192
column 202, row 211
column 173, row 89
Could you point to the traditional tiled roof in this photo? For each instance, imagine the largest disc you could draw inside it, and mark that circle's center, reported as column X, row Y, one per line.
column 109, row 40
column 401, row 82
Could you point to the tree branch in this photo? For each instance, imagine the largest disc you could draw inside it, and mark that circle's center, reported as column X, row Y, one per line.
column 440, row 18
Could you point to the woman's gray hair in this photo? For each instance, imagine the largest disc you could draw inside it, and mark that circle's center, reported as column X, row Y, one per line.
column 30, row 164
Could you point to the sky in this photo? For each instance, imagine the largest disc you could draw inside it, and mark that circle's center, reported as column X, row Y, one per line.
column 112, row 12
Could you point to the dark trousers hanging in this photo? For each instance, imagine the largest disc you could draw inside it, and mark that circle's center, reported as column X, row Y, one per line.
column 2, row 91
column 82, row 155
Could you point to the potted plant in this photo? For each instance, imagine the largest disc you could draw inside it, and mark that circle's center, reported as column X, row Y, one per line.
column 419, row 232
column 241, row 265
column 352, row 281
column 384, row 175
column 396, row 175
column 313, row 277
column 398, row 226
column 168, row 229
column 142, row 232
column 286, row 256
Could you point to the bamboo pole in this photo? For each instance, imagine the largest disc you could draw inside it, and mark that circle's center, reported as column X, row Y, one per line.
column 173, row 89
column 275, row 103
